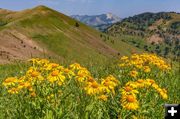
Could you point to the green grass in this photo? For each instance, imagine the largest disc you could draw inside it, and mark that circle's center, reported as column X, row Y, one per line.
column 57, row 33
column 77, row 105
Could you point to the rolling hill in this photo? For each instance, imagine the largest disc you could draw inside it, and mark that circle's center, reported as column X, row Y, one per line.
column 154, row 32
column 44, row 32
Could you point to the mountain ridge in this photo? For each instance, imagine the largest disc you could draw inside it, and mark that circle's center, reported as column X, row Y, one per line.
column 158, row 32
column 41, row 31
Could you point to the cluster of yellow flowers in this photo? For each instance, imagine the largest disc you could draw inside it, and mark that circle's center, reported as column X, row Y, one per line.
column 42, row 72
column 143, row 62
column 130, row 90
column 91, row 86
column 107, row 86
column 49, row 78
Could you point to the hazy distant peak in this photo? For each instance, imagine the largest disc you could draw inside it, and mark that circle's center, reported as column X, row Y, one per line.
column 97, row 20
column 109, row 15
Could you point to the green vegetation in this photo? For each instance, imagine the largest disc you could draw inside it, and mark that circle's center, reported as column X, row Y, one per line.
column 2, row 23
column 73, row 102
column 155, row 32
column 44, row 90
column 64, row 37
column 175, row 25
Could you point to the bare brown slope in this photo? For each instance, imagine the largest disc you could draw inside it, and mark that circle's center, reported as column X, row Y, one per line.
column 16, row 46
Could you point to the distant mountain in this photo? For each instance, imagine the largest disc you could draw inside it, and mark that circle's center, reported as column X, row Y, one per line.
column 155, row 32
column 99, row 22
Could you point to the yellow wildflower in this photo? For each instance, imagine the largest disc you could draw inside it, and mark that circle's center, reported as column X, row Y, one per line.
column 56, row 76
column 124, row 58
column 33, row 94
column 129, row 102
column 34, row 73
column 133, row 73
column 13, row 90
column 75, row 66
column 10, row 81
column 110, row 82
column 92, row 88
column 55, row 73
column 147, row 69
column 103, row 97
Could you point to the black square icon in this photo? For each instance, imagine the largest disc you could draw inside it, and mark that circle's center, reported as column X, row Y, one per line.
column 172, row 111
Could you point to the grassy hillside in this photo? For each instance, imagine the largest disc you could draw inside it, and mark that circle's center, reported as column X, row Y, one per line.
column 54, row 35
column 102, row 86
column 158, row 32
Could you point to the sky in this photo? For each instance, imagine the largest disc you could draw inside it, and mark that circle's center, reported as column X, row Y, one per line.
column 121, row 8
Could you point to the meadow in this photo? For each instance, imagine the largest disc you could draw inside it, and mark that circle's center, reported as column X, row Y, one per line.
column 134, row 87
